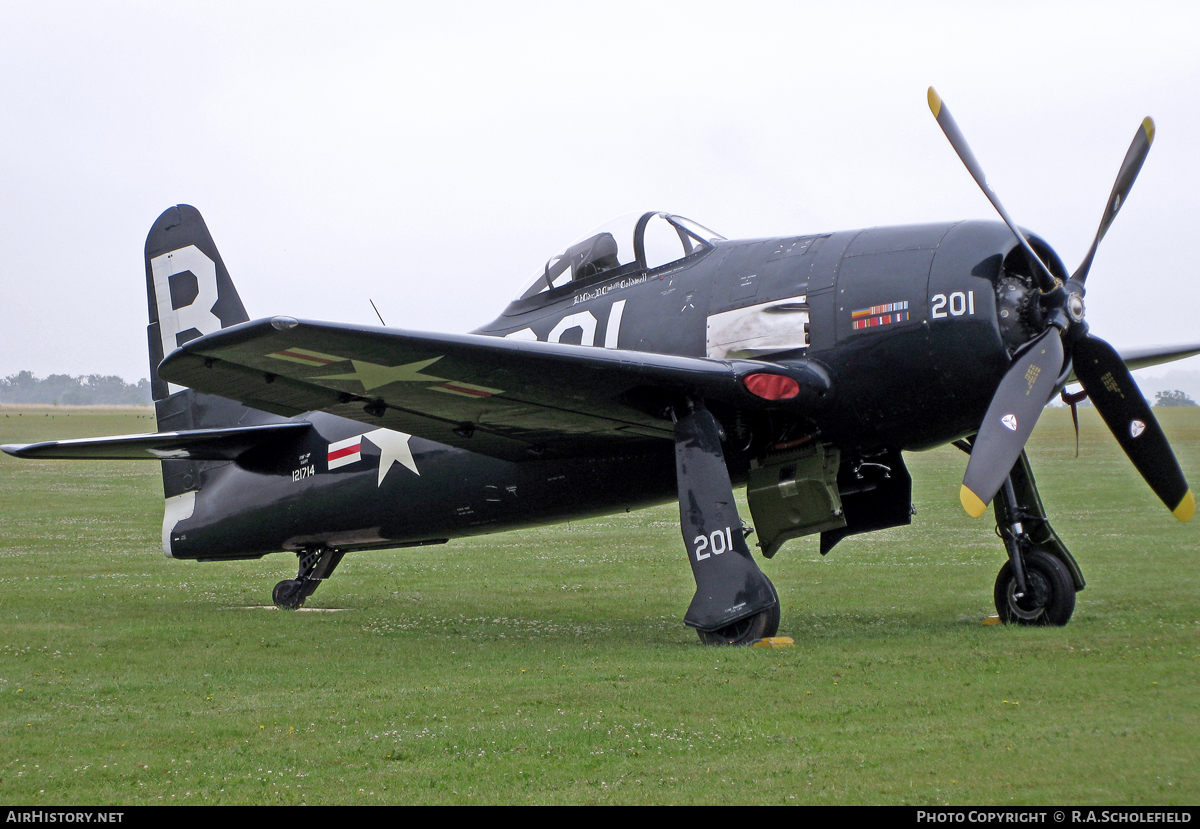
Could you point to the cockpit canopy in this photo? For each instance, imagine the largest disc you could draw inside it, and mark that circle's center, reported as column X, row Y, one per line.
column 628, row 244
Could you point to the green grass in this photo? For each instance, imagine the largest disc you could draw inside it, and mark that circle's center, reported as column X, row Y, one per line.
column 552, row 666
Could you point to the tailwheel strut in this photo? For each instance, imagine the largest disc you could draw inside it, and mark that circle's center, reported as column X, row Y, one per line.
column 316, row 564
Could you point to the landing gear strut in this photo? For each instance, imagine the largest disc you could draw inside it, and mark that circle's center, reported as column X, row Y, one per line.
column 1038, row 583
column 735, row 603
column 315, row 565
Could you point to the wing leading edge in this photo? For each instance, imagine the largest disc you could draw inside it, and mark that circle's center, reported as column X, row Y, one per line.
column 1135, row 358
column 510, row 399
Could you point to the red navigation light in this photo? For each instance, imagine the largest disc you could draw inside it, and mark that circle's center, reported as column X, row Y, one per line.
column 771, row 386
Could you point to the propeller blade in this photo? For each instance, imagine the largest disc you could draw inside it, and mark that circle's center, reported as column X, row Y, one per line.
column 1119, row 401
column 1130, row 167
column 946, row 121
column 1014, row 410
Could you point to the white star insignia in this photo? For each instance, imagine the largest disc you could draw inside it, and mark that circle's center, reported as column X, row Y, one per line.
column 393, row 448
column 373, row 375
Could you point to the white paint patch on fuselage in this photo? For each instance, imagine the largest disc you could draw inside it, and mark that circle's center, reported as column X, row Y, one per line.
column 766, row 328
column 177, row 508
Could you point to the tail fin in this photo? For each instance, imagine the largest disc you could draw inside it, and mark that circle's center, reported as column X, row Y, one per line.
column 190, row 294
column 189, row 289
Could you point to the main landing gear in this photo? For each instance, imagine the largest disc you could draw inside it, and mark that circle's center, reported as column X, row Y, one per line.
column 1048, row 597
column 761, row 625
column 315, row 565
column 735, row 603
column 1038, row 583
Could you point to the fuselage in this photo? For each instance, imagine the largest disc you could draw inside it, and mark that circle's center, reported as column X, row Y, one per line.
column 290, row 498
column 904, row 320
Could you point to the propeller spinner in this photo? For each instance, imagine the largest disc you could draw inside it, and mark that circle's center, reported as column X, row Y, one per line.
column 1032, row 378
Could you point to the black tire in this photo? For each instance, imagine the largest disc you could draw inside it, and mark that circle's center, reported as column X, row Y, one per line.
column 1050, row 599
column 744, row 631
column 288, row 595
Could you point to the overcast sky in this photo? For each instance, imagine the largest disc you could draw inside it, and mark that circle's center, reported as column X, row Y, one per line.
column 430, row 156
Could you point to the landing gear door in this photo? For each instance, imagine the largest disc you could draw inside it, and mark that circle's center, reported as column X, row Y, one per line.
column 794, row 493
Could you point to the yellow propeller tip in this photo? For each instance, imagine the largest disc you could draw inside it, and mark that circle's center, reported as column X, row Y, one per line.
column 971, row 502
column 1148, row 128
column 935, row 105
column 1186, row 508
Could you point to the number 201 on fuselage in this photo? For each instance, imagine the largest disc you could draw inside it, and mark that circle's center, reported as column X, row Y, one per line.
column 957, row 303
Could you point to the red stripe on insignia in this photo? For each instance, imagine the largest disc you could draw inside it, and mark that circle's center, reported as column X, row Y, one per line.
column 308, row 358
column 341, row 453
column 464, row 390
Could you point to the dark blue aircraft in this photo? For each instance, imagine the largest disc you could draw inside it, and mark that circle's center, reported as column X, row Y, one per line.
column 651, row 360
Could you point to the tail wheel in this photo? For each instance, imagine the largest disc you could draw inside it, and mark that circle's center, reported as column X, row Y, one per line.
column 744, row 631
column 1050, row 592
column 288, row 594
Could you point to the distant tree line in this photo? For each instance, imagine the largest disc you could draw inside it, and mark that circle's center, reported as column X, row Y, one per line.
column 64, row 390
column 1161, row 398
column 97, row 390
column 1173, row 398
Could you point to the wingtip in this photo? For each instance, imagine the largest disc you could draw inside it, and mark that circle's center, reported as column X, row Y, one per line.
column 971, row 502
column 1186, row 508
column 935, row 102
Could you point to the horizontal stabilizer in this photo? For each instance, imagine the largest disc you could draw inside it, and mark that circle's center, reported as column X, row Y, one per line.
column 197, row 444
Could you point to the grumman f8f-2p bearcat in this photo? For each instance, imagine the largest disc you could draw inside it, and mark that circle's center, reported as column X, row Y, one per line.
column 652, row 360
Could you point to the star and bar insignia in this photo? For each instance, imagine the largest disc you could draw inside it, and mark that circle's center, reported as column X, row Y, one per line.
column 374, row 375
column 393, row 448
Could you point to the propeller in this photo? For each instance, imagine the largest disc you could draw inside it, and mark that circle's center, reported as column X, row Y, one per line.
column 1032, row 378
column 1130, row 168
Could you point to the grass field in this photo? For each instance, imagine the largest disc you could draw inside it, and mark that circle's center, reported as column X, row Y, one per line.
column 552, row 666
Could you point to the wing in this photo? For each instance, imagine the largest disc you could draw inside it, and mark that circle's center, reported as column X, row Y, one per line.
column 1135, row 358
column 196, row 444
column 507, row 398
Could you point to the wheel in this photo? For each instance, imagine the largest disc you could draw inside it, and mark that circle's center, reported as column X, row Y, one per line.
column 1050, row 598
column 744, row 631
column 288, row 594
